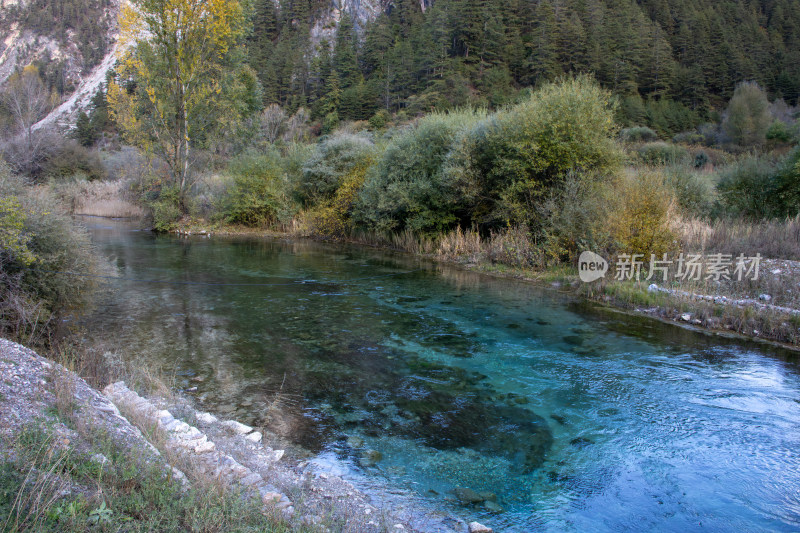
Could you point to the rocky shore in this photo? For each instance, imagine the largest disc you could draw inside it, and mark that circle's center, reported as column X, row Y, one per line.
column 195, row 448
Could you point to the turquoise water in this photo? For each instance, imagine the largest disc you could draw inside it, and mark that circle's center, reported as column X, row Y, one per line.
column 432, row 378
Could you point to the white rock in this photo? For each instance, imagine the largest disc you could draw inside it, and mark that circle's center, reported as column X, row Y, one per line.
column 171, row 426
column 686, row 317
column 181, row 427
column 205, row 447
column 764, row 297
column 206, row 418
column 255, row 436
column 278, row 454
column 238, row 427
column 475, row 527
column 399, row 527
column 652, row 288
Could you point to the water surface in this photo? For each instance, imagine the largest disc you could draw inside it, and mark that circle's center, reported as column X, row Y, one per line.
column 433, row 378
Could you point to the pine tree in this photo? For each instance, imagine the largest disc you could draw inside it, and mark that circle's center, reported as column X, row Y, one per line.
column 345, row 58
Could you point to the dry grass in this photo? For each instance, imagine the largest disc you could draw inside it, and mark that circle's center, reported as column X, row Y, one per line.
column 98, row 198
column 461, row 245
column 772, row 239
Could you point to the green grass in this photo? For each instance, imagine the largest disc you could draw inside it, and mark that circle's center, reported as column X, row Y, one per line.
column 125, row 494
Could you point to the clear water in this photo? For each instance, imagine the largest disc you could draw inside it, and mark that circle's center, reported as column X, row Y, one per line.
column 576, row 417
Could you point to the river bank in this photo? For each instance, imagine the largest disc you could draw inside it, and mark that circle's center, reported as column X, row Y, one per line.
column 766, row 309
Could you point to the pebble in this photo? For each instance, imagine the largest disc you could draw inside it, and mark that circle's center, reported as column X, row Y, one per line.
column 475, row 527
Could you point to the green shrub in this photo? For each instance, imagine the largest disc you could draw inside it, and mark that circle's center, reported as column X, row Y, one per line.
column 510, row 162
column 779, row 132
column 71, row 158
column 166, row 208
column 749, row 188
column 41, row 251
column 409, row 188
column 333, row 159
column 662, row 153
column 701, row 160
column 638, row 134
column 330, row 122
column 258, row 196
column 379, row 120
column 669, row 117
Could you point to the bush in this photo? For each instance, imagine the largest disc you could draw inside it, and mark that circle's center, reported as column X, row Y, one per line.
column 789, row 184
column 39, row 251
column 332, row 160
column 638, row 134
column 749, row 189
column 662, row 153
column 688, row 137
column 640, row 221
column 513, row 160
column 747, row 117
column 693, row 191
column 779, row 132
column 71, row 158
column 166, row 208
column 701, row 160
column 409, row 188
column 333, row 218
column 574, row 219
column 258, row 196
column 380, row 119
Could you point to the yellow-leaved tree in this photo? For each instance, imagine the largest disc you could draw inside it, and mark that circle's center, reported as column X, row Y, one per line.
column 182, row 78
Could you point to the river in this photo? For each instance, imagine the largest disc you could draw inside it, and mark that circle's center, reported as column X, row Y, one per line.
column 431, row 378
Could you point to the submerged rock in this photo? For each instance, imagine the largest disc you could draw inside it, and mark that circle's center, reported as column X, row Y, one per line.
column 573, row 340
column 488, row 496
column 371, row 457
column 467, row 496
column 492, row 507
column 581, row 442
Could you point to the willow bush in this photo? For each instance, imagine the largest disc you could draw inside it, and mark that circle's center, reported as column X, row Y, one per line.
column 409, row 187
column 515, row 159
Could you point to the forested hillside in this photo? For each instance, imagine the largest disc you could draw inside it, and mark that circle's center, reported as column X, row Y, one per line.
column 673, row 60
